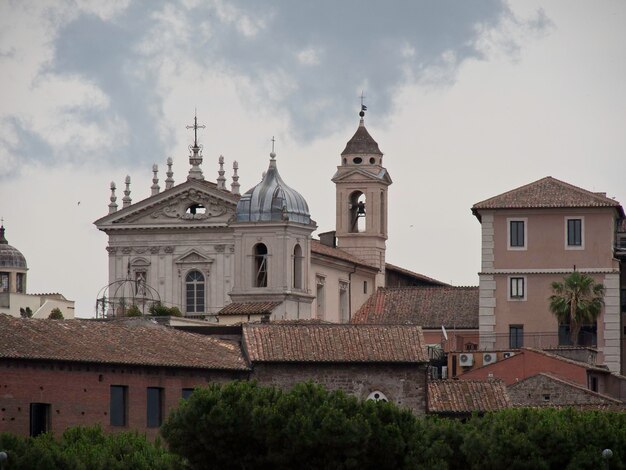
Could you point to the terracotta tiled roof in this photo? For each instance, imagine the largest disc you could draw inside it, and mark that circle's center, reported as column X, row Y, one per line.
column 333, row 343
column 418, row 276
column 249, row 308
column 429, row 307
column 586, row 365
column 133, row 343
column 319, row 248
column 547, row 192
column 466, row 396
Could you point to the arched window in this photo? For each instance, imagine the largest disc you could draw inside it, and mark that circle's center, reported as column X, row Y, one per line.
column 260, row 265
column 357, row 212
column 377, row 396
column 194, row 283
column 297, row 267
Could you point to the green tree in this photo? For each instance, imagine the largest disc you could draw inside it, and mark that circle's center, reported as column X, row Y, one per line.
column 26, row 312
column 576, row 301
column 157, row 309
column 133, row 311
column 243, row 425
column 55, row 314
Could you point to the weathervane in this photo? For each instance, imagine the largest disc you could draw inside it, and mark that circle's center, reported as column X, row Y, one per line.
column 363, row 107
column 195, row 128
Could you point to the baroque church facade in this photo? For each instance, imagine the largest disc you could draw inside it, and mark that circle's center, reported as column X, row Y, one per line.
column 219, row 255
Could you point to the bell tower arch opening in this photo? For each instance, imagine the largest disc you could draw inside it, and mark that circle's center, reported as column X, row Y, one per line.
column 358, row 220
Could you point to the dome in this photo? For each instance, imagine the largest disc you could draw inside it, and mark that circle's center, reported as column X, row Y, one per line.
column 273, row 200
column 10, row 257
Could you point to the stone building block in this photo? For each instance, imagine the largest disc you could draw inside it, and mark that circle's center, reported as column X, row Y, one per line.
column 486, row 321
column 487, row 285
column 487, row 302
column 485, row 311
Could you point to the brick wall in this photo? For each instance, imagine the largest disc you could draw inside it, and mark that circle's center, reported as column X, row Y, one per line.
column 542, row 390
column 403, row 384
column 80, row 394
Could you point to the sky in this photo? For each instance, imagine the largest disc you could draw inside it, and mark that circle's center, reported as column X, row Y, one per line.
column 466, row 100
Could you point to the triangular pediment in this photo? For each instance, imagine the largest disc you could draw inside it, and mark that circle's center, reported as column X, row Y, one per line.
column 193, row 256
column 172, row 207
column 377, row 174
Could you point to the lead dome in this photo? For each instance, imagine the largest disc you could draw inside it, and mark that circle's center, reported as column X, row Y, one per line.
column 273, row 200
column 10, row 257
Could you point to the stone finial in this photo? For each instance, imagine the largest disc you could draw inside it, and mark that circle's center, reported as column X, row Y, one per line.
column 155, row 180
column 126, row 200
column 234, row 187
column 221, row 180
column 113, row 203
column 169, row 182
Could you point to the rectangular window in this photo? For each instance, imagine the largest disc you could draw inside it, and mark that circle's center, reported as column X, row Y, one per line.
column 187, row 392
column 39, row 418
column 516, row 336
column 320, row 297
column 4, row 282
column 119, row 405
column 154, row 407
column 517, row 234
column 517, row 288
column 19, row 283
column 574, row 232
column 343, row 302
column 365, row 287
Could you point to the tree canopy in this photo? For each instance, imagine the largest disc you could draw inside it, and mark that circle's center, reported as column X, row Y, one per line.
column 576, row 301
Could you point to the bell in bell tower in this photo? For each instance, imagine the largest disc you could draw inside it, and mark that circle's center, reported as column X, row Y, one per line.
column 361, row 184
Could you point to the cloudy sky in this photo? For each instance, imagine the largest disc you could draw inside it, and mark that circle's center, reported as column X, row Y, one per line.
column 466, row 100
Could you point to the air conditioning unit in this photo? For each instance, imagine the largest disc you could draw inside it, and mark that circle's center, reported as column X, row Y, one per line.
column 466, row 359
column 508, row 354
column 444, row 372
column 489, row 358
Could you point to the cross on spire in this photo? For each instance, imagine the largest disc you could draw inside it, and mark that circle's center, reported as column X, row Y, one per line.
column 273, row 140
column 195, row 128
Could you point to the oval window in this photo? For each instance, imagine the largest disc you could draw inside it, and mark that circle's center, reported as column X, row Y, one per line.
column 357, row 160
column 372, row 160
column 377, row 396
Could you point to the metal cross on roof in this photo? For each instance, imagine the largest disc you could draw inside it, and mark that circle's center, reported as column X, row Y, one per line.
column 363, row 107
column 273, row 140
column 195, row 128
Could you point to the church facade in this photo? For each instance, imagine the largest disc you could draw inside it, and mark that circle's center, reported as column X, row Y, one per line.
column 220, row 255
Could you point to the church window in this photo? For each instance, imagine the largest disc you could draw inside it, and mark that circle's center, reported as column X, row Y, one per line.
column 297, row 267
column 19, row 283
column 4, row 282
column 196, row 209
column 372, row 160
column 357, row 160
column 260, row 265
column 194, row 282
column 357, row 212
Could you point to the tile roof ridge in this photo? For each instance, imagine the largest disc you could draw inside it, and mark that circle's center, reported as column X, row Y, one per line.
column 510, row 191
column 564, row 359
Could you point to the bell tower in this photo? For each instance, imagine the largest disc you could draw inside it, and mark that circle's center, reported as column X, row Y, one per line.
column 361, row 183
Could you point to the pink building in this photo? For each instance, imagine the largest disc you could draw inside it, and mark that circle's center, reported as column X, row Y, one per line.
column 537, row 234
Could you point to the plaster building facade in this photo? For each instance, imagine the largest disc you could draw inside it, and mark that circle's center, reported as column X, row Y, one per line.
column 14, row 297
column 202, row 246
column 537, row 234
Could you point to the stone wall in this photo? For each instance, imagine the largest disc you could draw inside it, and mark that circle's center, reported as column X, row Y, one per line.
column 402, row 384
column 543, row 390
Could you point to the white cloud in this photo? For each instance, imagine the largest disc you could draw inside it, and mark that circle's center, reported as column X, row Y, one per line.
column 309, row 56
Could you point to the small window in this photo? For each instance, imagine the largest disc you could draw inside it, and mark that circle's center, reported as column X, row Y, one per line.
column 154, row 407
column 516, row 336
column 119, row 405
column 186, row 393
column 39, row 418
column 320, row 295
column 196, row 209
column 377, row 396
column 357, row 160
column 260, row 265
column 19, row 283
column 365, row 287
column 517, row 288
column 297, row 267
column 4, row 282
column 517, row 238
column 574, row 236
column 372, row 160
column 594, row 384
column 546, row 397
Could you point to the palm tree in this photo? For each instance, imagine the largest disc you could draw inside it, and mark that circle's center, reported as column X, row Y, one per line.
column 576, row 301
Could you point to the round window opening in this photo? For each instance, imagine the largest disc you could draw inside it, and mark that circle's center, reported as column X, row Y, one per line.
column 372, row 160
column 357, row 160
column 377, row 396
